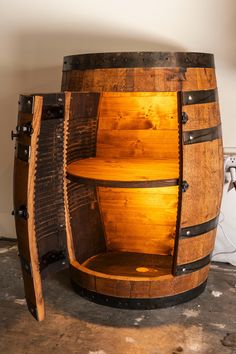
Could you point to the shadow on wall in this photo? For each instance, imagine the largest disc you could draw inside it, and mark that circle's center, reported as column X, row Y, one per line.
column 37, row 67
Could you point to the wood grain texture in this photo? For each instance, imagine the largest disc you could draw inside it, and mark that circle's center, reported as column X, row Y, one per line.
column 69, row 238
column 139, row 220
column 24, row 186
column 203, row 170
column 138, row 111
column 140, row 79
column 119, row 113
column 83, row 222
column 194, row 248
column 134, row 128
column 38, row 102
column 202, row 116
column 130, row 264
column 134, row 287
column 124, row 169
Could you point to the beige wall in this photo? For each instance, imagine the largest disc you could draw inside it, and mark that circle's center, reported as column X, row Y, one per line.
column 35, row 36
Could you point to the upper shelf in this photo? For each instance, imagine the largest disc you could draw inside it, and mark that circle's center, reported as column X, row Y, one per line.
column 129, row 173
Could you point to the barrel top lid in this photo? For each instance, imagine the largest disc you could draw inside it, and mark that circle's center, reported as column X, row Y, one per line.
column 138, row 60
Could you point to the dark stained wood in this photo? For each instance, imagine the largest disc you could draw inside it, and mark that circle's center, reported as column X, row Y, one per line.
column 85, row 222
column 85, row 233
column 49, row 191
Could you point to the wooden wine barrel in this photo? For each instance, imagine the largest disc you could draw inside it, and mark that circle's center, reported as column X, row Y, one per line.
column 120, row 178
column 151, row 106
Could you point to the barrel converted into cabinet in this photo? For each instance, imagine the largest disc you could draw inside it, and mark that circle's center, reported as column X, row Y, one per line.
column 120, row 178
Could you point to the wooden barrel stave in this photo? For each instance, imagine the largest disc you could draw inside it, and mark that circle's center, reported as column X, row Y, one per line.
column 139, row 80
column 203, row 170
column 194, row 248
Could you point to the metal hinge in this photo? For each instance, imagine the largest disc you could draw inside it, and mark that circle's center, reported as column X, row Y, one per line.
column 184, row 118
column 23, row 152
column 21, row 212
column 52, row 257
column 53, row 111
column 26, row 104
column 26, row 129
column 185, row 186
column 25, row 265
column 32, row 309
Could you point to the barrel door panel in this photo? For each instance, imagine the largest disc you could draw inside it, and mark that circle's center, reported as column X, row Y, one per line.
column 38, row 193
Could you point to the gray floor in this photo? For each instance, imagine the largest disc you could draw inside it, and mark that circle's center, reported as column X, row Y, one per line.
column 75, row 325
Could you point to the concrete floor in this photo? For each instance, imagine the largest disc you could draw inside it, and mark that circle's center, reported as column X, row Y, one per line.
column 74, row 325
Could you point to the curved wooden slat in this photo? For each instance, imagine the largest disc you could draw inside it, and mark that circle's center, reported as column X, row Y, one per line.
column 195, row 248
column 140, row 80
column 24, row 186
column 139, row 303
column 201, row 115
column 131, row 287
column 203, row 170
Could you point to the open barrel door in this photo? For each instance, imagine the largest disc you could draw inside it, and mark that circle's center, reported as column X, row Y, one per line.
column 120, row 178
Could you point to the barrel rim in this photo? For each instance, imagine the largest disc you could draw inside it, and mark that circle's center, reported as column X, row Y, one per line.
column 140, row 59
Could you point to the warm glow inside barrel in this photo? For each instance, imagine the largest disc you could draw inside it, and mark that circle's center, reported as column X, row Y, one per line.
column 144, row 175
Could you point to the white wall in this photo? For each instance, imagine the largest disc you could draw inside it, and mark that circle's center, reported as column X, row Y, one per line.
column 35, row 36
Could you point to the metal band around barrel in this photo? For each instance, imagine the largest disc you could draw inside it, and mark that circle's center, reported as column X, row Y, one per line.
column 202, row 135
column 26, row 104
column 138, row 60
column 193, row 266
column 53, row 104
column 199, row 97
column 139, row 303
column 199, row 229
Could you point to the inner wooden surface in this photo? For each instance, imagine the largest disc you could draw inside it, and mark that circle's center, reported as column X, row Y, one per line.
column 130, row 264
column 138, row 125
column 143, row 128
column 137, row 140
column 124, row 169
column 139, row 219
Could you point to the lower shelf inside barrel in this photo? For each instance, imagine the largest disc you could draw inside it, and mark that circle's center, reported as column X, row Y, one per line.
column 130, row 264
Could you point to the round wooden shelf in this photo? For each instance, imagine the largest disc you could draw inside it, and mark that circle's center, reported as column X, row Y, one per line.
column 130, row 264
column 125, row 172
